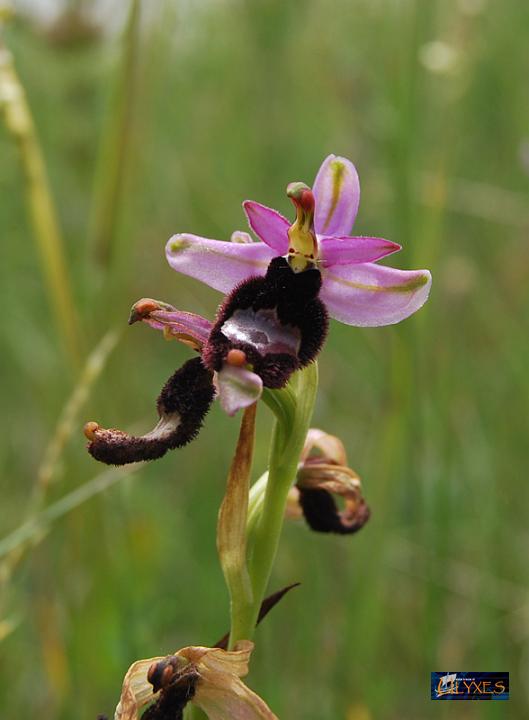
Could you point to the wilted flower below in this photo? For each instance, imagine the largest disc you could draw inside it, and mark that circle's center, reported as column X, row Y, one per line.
column 323, row 474
column 208, row 677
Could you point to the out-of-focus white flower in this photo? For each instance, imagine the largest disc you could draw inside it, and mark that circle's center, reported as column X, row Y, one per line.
column 438, row 56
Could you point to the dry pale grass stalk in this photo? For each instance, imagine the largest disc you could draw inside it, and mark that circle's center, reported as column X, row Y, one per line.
column 19, row 123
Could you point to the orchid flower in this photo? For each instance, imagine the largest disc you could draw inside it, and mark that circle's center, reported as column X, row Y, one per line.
column 272, row 323
column 267, row 328
column 207, row 677
column 355, row 289
column 274, row 319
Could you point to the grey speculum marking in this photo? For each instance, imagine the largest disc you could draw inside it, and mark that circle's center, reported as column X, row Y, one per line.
column 263, row 331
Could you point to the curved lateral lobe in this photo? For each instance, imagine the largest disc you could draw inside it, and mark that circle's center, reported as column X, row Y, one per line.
column 182, row 405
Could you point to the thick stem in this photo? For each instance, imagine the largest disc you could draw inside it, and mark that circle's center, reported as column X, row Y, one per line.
column 255, row 506
column 287, row 443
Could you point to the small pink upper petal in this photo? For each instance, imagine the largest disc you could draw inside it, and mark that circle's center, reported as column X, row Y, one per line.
column 269, row 225
column 221, row 265
column 371, row 295
column 351, row 250
column 337, row 193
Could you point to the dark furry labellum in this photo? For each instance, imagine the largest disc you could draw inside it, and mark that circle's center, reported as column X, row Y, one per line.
column 182, row 405
column 277, row 321
column 177, row 687
column 322, row 513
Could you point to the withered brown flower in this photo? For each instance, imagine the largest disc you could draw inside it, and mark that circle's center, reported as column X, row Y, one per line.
column 323, row 476
column 208, row 677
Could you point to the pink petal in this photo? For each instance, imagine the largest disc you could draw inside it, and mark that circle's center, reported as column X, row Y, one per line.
column 180, row 322
column 237, row 388
column 221, row 265
column 350, row 250
column 173, row 322
column 269, row 225
column 370, row 295
column 337, row 193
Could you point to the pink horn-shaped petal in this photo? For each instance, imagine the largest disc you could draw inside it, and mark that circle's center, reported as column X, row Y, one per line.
column 221, row 265
column 337, row 193
column 173, row 322
column 370, row 295
column 269, row 225
column 352, row 250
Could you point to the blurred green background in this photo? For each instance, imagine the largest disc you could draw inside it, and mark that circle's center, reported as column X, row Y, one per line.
column 167, row 126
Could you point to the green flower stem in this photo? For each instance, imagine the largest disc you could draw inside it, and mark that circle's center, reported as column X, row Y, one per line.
column 267, row 500
column 293, row 409
column 283, row 404
column 255, row 504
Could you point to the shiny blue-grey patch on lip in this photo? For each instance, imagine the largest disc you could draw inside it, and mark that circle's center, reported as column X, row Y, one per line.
column 262, row 330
